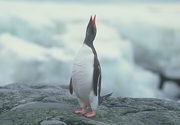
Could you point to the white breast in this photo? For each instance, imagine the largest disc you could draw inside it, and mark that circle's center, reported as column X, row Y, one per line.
column 82, row 74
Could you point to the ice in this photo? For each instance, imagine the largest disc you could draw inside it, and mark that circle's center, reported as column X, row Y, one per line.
column 21, row 48
column 167, row 90
column 39, row 41
column 24, row 61
column 28, row 50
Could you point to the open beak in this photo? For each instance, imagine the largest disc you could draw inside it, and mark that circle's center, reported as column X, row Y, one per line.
column 93, row 19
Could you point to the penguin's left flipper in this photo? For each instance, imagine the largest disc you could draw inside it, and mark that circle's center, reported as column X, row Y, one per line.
column 70, row 86
column 97, row 77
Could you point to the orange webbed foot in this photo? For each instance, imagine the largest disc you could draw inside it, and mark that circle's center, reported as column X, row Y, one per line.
column 89, row 115
column 82, row 111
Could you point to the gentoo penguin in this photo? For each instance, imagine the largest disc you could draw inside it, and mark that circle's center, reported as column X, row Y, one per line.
column 86, row 75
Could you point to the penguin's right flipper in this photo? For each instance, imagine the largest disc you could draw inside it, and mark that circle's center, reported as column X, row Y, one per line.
column 97, row 77
column 70, row 86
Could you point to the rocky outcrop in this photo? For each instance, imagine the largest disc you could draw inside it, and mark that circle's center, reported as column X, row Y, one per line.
column 42, row 104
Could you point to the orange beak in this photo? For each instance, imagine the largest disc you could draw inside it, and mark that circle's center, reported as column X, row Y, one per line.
column 93, row 19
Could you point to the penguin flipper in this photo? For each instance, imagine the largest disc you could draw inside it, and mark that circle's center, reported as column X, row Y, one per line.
column 96, row 77
column 70, row 86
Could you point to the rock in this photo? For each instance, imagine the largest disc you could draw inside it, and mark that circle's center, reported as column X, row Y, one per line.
column 45, row 104
column 52, row 122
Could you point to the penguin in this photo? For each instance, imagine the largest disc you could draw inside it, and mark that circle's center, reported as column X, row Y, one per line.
column 85, row 80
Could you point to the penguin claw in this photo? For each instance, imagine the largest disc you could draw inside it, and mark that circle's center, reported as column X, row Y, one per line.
column 89, row 115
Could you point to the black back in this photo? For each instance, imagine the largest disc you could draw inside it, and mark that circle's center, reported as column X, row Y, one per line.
column 90, row 36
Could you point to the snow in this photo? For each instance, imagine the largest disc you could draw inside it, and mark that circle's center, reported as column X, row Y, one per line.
column 39, row 41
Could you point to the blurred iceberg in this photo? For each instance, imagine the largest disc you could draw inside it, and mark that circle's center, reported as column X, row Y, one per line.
column 39, row 40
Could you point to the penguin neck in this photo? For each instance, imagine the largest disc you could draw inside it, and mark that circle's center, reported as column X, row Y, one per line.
column 90, row 44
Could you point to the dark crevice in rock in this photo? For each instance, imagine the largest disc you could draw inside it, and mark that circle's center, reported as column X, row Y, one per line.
column 117, row 105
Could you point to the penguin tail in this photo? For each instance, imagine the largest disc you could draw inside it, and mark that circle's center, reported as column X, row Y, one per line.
column 104, row 97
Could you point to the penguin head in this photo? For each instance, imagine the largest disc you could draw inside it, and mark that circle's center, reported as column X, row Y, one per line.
column 91, row 31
